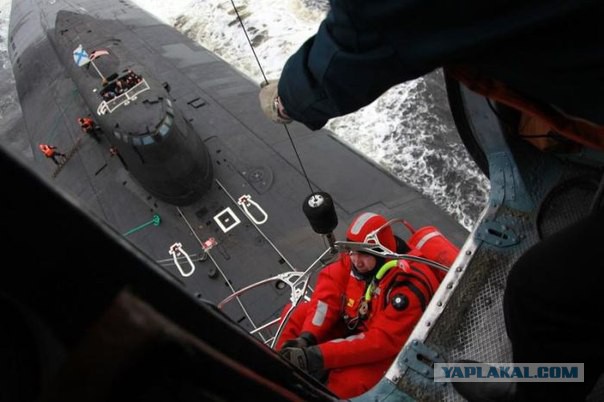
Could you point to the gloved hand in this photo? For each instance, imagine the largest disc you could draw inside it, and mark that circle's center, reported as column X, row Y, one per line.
column 269, row 102
column 295, row 343
column 308, row 359
column 295, row 356
column 305, row 339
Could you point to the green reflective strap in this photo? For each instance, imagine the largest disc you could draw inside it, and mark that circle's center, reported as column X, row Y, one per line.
column 381, row 272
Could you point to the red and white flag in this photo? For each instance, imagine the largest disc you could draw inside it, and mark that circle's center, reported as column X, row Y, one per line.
column 98, row 53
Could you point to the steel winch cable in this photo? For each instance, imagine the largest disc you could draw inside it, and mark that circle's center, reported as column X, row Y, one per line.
column 291, row 140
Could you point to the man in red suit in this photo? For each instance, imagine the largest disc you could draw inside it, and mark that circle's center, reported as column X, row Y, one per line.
column 361, row 313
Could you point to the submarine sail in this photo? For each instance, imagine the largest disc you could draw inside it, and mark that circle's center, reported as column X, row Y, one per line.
column 157, row 145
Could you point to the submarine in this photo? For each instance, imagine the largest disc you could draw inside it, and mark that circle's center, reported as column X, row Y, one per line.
column 135, row 251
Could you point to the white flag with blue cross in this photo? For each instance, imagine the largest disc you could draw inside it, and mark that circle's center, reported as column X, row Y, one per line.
column 80, row 56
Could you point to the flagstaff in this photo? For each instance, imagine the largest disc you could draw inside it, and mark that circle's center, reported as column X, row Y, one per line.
column 98, row 71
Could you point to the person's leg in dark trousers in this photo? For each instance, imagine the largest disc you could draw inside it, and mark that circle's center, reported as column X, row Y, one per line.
column 553, row 307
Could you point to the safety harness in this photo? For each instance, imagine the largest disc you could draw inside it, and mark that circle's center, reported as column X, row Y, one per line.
column 420, row 277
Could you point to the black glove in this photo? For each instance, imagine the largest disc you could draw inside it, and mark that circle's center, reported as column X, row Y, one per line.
column 295, row 356
column 295, row 343
column 308, row 359
column 305, row 339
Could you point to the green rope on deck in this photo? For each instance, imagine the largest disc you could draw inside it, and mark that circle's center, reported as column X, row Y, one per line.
column 155, row 222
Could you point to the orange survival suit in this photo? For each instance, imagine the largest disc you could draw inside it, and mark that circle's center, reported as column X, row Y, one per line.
column 356, row 349
column 86, row 123
column 48, row 151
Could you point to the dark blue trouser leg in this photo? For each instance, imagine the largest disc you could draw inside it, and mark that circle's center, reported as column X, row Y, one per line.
column 554, row 307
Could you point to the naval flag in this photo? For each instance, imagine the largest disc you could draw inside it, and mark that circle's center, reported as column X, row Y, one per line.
column 98, row 53
column 80, row 56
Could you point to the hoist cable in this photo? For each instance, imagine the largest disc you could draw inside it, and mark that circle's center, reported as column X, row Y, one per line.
column 291, row 140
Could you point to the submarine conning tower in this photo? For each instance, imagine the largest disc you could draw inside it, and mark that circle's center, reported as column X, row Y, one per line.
column 154, row 142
